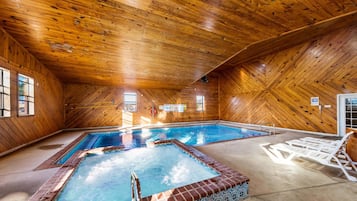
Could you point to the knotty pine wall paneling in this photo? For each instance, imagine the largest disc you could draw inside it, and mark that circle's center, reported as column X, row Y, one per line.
column 277, row 88
column 93, row 106
column 16, row 131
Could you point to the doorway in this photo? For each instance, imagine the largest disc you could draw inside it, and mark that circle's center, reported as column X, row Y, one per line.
column 346, row 112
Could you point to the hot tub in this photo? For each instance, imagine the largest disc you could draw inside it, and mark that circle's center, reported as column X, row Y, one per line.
column 170, row 170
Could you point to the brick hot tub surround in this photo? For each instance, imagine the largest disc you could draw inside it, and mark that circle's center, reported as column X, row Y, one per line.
column 228, row 185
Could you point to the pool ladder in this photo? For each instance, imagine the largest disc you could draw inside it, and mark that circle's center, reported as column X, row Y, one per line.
column 135, row 187
column 270, row 127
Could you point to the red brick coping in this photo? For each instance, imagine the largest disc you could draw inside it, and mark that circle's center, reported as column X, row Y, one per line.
column 52, row 161
column 227, row 178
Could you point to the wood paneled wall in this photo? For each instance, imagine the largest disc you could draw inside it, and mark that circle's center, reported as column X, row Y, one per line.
column 92, row 106
column 277, row 88
column 16, row 131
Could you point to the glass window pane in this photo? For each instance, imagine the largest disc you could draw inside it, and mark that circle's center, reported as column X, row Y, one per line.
column 7, row 103
column 131, row 97
column 4, row 92
column 22, row 78
column 21, row 88
column 26, row 95
column 31, row 90
column 200, row 103
column 22, row 110
column 6, row 79
column 26, row 89
column 199, row 99
column 2, row 105
column 130, row 102
column 31, row 81
column 180, row 108
column 31, row 108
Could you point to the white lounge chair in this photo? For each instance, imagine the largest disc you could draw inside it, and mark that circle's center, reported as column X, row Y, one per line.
column 319, row 140
column 328, row 148
column 329, row 154
column 318, row 144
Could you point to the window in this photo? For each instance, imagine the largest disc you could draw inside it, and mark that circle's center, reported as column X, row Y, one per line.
column 4, row 92
column 173, row 107
column 200, row 103
column 26, row 95
column 130, row 102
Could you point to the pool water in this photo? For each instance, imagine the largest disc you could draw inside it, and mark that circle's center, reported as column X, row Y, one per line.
column 107, row 176
column 190, row 135
column 197, row 135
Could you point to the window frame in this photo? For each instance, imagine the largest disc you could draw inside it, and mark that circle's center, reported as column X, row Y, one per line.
column 5, row 92
column 27, row 97
column 130, row 105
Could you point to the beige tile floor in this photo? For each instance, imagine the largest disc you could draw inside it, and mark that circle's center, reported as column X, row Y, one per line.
column 270, row 178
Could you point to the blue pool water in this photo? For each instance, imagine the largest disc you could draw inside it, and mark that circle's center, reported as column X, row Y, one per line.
column 190, row 135
column 107, row 176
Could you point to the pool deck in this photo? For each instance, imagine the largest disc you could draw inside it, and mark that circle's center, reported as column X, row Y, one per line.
column 270, row 178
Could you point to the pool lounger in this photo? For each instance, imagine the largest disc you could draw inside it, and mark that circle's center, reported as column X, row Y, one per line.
column 333, row 155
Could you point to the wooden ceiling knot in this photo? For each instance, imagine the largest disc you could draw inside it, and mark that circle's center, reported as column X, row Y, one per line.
column 64, row 47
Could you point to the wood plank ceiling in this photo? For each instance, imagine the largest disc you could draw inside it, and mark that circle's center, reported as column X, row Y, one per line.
column 156, row 43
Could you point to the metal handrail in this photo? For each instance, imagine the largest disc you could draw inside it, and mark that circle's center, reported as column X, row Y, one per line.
column 271, row 125
column 135, row 187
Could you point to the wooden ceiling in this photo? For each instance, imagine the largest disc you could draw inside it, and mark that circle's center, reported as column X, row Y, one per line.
column 160, row 43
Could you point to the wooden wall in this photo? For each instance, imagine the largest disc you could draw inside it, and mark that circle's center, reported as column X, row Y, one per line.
column 48, row 118
column 91, row 106
column 277, row 88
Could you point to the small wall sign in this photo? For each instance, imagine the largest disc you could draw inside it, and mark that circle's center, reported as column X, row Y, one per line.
column 315, row 101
